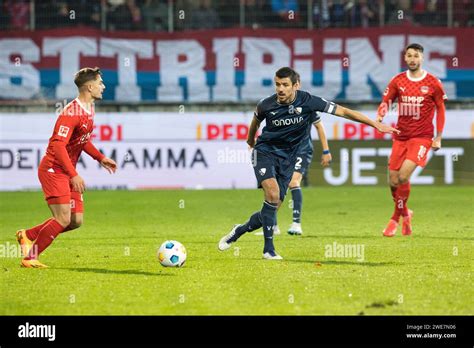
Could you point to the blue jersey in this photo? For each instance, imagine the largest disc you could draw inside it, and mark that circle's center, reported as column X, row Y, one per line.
column 306, row 146
column 288, row 125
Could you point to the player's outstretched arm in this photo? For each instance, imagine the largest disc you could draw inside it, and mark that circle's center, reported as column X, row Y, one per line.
column 361, row 118
column 326, row 158
column 105, row 162
column 389, row 96
column 254, row 125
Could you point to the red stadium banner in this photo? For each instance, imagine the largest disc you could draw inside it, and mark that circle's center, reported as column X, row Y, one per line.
column 228, row 65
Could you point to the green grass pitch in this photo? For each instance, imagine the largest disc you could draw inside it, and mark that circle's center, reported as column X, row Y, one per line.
column 109, row 266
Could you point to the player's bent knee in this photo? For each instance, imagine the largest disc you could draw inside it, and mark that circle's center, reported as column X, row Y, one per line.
column 272, row 196
column 63, row 220
column 294, row 184
column 403, row 179
column 75, row 223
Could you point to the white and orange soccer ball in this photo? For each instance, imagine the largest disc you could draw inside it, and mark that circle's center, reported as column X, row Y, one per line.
column 172, row 254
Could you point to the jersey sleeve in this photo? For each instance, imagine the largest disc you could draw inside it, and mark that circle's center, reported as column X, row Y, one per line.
column 439, row 98
column 62, row 134
column 389, row 95
column 320, row 104
column 64, row 128
column 315, row 118
column 92, row 151
column 259, row 112
column 439, row 93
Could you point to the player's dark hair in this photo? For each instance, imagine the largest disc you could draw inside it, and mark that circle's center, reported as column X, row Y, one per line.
column 415, row 46
column 85, row 75
column 288, row 72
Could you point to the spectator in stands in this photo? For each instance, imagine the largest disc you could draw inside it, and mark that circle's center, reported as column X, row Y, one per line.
column 229, row 12
column 436, row 13
column 321, row 17
column 462, row 12
column 419, row 8
column 155, row 14
column 4, row 17
column 286, row 10
column 337, row 13
column 56, row 13
column 401, row 14
column 256, row 13
column 87, row 12
column 204, row 16
column 363, row 13
column 124, row 15
column 18, row 13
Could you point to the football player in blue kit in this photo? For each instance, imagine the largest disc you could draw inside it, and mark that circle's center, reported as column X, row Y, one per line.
column 287, row 115
column 303, row 161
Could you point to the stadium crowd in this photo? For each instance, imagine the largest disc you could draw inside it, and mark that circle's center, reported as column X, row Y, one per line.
column 153, row 15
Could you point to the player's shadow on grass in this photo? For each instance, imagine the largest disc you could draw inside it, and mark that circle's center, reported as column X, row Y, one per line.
column 320, row 263
column 322, row 236
column 446, row 237
column 117, row 271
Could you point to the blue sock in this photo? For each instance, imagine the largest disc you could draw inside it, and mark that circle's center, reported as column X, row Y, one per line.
column 254, row 223
column 268, row 214
column 297, row 197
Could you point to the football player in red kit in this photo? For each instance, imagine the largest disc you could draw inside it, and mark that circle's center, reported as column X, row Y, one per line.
column 419, row 95
column 61, row 184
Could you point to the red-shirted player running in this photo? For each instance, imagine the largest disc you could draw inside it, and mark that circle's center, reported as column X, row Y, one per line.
column 61, row 184
column 419, row 94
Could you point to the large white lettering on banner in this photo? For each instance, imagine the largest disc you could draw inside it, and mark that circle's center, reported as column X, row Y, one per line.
column 202, row 69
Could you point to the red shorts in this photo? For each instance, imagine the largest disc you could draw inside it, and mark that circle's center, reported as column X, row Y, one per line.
column 415, row 149
column 57, row 190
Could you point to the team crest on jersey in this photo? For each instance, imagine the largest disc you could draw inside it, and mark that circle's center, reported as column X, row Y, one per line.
column 424, row 89
column 262, row 171
column 63, row 131
column 298, row 110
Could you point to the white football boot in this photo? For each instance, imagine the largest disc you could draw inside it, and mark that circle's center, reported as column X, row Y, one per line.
column 223, row 243
column 295, row 229
column 272, row 255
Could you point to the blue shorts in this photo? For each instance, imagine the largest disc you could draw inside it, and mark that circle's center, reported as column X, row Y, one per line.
column 267, row 166
column 303, row 160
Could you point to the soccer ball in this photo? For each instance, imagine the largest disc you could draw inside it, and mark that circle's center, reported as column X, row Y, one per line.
column 172, row 254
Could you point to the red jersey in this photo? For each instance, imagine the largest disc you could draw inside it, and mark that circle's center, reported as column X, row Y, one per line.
column 417, row 101
column 71, row 136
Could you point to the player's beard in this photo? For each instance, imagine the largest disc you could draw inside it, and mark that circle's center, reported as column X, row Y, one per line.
column 288, row 98
column 414, row 67
column 282, row 98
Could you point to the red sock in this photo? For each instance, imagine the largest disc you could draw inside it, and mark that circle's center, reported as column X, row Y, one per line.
column 33, row 232
column 46, row 236
column 403, row 193
column 396, row 212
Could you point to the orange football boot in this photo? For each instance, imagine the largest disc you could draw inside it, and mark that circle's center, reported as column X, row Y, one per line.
column 32, row 264
column 391, row 228
column 24, row 242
